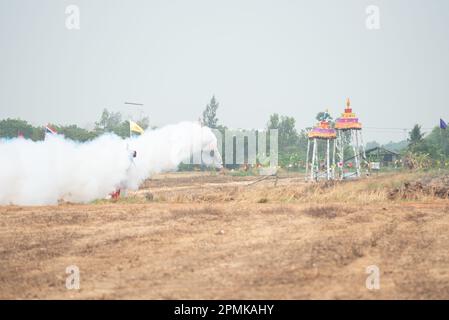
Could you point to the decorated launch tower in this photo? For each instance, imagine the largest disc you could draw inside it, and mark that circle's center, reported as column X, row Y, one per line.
column 349, row 136
column 322, row 132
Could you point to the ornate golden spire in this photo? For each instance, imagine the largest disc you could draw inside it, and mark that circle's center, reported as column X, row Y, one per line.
column 348, row 103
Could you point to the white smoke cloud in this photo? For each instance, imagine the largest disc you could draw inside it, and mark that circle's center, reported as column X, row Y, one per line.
column 44, row 172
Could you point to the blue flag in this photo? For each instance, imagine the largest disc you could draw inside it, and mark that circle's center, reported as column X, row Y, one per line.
column 443, row 125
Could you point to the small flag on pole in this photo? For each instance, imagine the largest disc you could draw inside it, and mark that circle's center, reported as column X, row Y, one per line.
column 443, row 124
column 50, row 130
column 134, row 127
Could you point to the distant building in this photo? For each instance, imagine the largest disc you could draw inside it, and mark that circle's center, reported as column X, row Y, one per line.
column 385, row 157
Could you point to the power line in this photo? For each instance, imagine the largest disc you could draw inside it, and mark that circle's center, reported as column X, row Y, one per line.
column 379, row 128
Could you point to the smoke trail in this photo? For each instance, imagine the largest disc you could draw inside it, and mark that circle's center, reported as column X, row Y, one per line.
column 44, row 172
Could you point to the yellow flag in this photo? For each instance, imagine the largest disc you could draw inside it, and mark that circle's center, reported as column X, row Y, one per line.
column 134, row 127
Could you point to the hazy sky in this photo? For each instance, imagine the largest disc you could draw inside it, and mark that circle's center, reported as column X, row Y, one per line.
column 258, row 57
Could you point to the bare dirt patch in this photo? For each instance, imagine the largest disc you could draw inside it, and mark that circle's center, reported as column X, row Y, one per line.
column 224, row 244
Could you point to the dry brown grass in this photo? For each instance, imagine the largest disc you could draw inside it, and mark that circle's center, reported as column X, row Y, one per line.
column 203, row 238
column 328, row 211
column 289, row 190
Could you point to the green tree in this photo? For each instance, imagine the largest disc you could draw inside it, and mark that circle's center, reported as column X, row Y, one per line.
column 415, row 136
column 415, row 140
column 112, row 122
column 274, row 121
column 144, row 122
column 437, row 143
column 109, row 121
column 323, row 116
column 76, row 133
column 288, row 138
column 10, row 128
column 290, row 143
column 210, row 114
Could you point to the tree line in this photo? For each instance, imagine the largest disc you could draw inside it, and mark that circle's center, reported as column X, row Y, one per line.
column 292, row 144
column 112, row 122
column 419, row 149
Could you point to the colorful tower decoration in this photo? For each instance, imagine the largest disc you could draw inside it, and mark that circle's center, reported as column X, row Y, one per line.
column 322, row 132
column 349, row 134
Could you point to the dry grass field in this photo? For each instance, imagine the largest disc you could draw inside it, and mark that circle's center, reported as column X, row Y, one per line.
column 212, row 236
